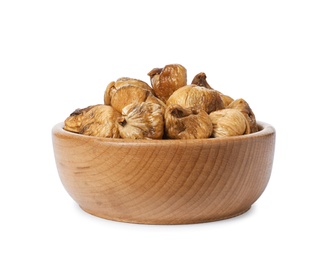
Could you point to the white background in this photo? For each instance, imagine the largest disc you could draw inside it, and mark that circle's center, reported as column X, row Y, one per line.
column 57, row 56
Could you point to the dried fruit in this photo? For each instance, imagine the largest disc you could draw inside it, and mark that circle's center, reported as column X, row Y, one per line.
column 112, row 87
column 200, row 80
column 126, row 81
column 226, row 99
column 132, row 94
column 229, row 122
column 168, row 79
column 197, row 97
column 169, row 109
column 74, row 121
column 98, row 120
column 142, row 121
column 187, row 123
column 244, row 108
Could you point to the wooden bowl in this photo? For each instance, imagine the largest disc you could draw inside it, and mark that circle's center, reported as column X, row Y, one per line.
column 164, row 181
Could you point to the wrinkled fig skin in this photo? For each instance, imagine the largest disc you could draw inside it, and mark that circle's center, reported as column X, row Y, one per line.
column 168, row 79
column 187, row 123
column 200, row 80
column 142, row 121
column 229, row 122
column 129, row 94
column 125, row 81
column 98, row 120
column 113, row 86
column 199, row 97
column 244, row 108
column 74, row 121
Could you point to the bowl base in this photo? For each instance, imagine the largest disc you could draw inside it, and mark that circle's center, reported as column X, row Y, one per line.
column 164, row 221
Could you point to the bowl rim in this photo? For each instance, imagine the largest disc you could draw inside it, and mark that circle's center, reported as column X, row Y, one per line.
column 265, row 129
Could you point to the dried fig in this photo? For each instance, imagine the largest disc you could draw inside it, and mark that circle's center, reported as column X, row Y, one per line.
column 142, row 121
column 132, row 94
column 110, row 89
column 187, row 123
column 125, row 81
column 229, row 122
column 168, row 79
column 226, row 99
column 197, row 97
column 74, row 121
column 98, row 120
column 113, row 86
column 244, row 108
column 200, row 80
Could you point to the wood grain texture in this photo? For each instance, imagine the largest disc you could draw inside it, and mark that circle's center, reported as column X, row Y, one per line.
column 164, row 181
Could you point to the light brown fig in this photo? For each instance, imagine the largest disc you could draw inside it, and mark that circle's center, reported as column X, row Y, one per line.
column 200, row 80
column 244, row 108
column 74, row 121
column 226, row 99
column 110, row 89
column 198, row 97
column 168, row 79
column 187, row 123
column 98, row 120
column 126, row 81
column 113, row 86
column 229, row 122
column 142, row 121
column 130, row 94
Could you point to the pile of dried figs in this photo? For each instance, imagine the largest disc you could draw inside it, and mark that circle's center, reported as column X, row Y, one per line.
column 168, row 109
